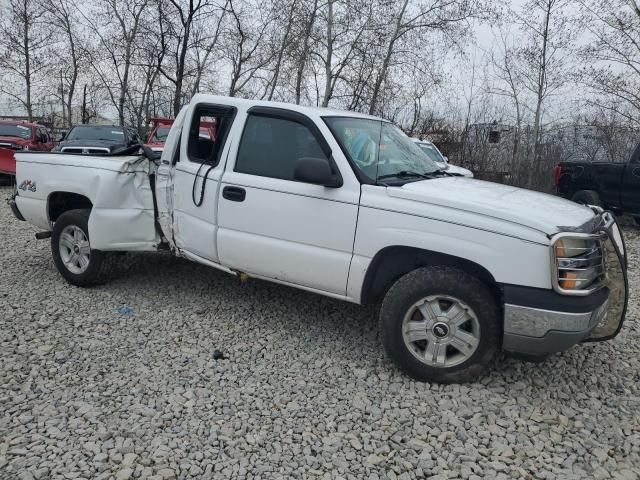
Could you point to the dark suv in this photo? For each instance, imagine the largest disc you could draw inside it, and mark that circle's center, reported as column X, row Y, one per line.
column 98, row 139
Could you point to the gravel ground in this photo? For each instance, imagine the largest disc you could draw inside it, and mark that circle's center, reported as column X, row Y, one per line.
column 126, row 381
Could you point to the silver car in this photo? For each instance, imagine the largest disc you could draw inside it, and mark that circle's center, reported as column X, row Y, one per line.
column 434, row 154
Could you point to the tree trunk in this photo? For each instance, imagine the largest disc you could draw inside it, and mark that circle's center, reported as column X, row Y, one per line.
column 542, row 80
column 276, row 73
column 327, row 63
column 304, row 52
column 382, row 74
column 27, row 60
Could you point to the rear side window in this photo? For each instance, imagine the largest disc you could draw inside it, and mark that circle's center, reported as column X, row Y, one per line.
column 208, row 132
column 271, row 147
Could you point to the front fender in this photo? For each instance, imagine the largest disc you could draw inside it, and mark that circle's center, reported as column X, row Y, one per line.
column 508, row 259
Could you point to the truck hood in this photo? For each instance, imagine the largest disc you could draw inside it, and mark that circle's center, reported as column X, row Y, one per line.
column 91, row 143
column 539, row 211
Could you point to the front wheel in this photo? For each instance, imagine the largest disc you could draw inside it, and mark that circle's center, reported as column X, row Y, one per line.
column 72, row 253
column 440, row 324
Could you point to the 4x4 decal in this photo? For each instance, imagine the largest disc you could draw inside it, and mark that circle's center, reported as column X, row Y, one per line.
column 28, row 185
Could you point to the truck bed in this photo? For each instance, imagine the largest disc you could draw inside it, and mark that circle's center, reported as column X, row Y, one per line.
column 118, row 187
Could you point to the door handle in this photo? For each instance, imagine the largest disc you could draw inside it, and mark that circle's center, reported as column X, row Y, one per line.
column 235, row 194
column 636, row 171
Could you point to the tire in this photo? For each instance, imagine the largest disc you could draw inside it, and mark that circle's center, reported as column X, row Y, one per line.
column 71, row 236
column 440, row 288
column 587, row 197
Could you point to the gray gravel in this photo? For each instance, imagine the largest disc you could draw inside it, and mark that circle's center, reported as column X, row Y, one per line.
column 125, row 381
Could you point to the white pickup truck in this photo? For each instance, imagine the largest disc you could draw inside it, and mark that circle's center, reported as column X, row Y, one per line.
column 345, row 205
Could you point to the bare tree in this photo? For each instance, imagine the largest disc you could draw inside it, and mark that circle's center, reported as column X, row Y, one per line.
column 434, row 15
column 504, row 62
column 62, row 15
column 345, row 26
column 117, row 46
column 244, row 44
column 613, row 56
column 308, row 19
column 545, row 63
column 22, row 57
column 178, row 20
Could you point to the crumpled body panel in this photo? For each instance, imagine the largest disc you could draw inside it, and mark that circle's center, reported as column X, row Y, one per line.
column 122, row 217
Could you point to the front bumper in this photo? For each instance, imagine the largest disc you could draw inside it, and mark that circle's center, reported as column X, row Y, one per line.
column 539, row 322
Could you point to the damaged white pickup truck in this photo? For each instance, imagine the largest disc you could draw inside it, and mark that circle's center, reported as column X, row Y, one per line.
column 344, row 205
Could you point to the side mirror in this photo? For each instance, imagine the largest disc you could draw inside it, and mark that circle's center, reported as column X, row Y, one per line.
column 317, row 171
column 446, row 159
column 62, row 135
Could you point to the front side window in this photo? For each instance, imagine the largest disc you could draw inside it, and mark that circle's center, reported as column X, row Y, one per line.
column 94, row 132
column 380, row 150
column 207, row 133
column 271, row 147
column 18, row 131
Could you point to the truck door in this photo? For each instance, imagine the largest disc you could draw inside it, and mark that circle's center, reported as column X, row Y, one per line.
column 275, row 227
column 631, row 184
column 188, row 180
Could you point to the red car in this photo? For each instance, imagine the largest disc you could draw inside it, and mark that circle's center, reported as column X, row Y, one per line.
column 161, row 127
column 15, row 136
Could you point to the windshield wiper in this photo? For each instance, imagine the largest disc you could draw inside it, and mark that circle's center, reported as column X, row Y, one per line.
column 406, row 174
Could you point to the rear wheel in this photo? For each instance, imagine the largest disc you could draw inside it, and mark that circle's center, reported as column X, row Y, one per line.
column 587, row 197
column 72, row 253
column 440, row 324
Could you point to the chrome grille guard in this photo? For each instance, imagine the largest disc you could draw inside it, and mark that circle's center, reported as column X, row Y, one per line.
column 614, row 250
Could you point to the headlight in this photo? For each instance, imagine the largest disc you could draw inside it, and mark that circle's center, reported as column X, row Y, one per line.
column 577, row 264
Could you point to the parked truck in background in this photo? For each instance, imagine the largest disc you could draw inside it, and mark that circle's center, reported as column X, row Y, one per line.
column 347, row 206
column 18, row 136
column 611, row 185
column 162, row 126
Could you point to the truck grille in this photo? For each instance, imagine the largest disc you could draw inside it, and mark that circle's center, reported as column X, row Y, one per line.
column 85, row 150
column 10, row 146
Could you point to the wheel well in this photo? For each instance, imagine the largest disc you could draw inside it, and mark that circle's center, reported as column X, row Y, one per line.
column 60, row 202
column 391, row 263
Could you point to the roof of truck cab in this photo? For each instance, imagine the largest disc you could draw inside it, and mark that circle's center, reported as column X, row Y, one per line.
column 24, row 123
column 246, row 104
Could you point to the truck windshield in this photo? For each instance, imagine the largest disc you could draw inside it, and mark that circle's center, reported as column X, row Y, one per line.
column 162, row 133
column 432, row 153
column 12, row 130
column 93, row 132
column 379, row 149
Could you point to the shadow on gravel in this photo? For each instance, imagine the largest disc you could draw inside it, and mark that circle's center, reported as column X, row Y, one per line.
column 318, row 322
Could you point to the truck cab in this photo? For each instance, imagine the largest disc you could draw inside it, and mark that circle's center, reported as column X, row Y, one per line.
column 162, row 126
column 17, row 136
column 344, row 205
